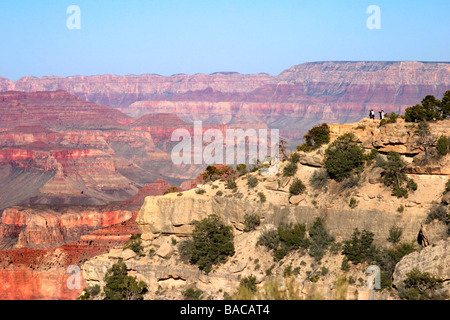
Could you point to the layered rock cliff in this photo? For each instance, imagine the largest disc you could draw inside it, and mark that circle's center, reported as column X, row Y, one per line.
column 55, row 109
column 45, row 228
column 167, row 220
column 55, row 274
column 292, row 101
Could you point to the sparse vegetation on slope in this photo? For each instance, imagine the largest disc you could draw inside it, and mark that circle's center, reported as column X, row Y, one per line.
column 429, row 109
column 120, row 286
column 212, row 243
column 315, row 138
column 343, row 157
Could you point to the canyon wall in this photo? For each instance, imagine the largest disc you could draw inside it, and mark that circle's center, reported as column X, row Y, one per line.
column 293, row 101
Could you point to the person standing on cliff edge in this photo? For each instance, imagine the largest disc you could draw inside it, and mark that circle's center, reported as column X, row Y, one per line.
column 372, row 114
column 381, row 114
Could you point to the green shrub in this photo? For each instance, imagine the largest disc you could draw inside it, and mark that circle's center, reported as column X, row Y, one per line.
column 429, row 109
column 291, row 237
column 252, row 181
column 89, row 292
column 442, row 145
column 352, row 181
column 294, row 157
column 447, row 186
column 262, row 197
column 171, row 190
column 372, row 155
column 287, row 272
column 212, row 243
column 438, row 212
column 315, row 138
column 251, row 222
column 388, row 258
column 389, row 118
column 290, row 169
column 184, row 250
column 394, row 234
column 241, row 169
column 120, row 286
column 249, row 283
column 360, row 247
column 297, row 187
column 352, row 203
column 269, row 270
column 411, row 185
column 211, row 174
column 343, row 157
column 445, row 104
column 219, row 193
column 231, row 184
column 345, row 266
column 400, row 192
column 379, row 161
column 422, row 286
column 269, row 239
column 319, row 240
column 394, row 175
column 319, row 179
column 285, row 238
column 192, row 294
column 200, row 191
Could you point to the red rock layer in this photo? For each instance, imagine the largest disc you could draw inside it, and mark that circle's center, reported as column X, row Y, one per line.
column 298, row 97
column 152, row 189
column 33, row 274
column 46, row 227
column 55, row 109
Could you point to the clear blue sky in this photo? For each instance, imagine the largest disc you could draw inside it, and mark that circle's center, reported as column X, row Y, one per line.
column 193, row 36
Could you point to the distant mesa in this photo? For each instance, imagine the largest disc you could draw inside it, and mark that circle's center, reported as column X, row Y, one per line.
column 293, row 101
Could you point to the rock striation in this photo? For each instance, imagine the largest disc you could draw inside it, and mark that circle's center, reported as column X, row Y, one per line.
column 433, row 259
column 166, row 220
column 293, row 101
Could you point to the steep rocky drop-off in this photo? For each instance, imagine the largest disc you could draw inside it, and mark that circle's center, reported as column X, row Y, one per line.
column 76, row 152
column 42, row 246
column 167, row 220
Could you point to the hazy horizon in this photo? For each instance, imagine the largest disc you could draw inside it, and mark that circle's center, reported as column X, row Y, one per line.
column 171, row 37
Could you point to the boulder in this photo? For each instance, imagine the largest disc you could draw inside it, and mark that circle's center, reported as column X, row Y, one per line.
column 432, row 259
column 165, row 250
column 313, row 159
column 128, row 254
column 271, row 185
column 296, row 199
column 119, row 253
column 285, row 181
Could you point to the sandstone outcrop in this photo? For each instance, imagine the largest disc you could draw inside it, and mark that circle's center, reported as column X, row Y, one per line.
column 166, row 220
column 433, row 259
